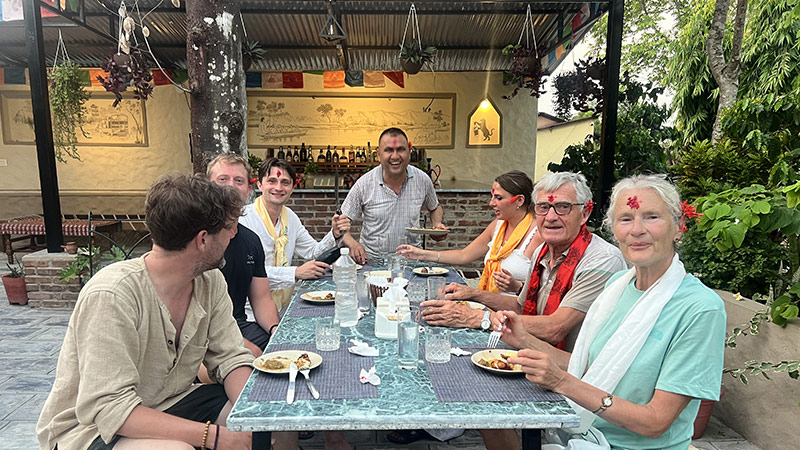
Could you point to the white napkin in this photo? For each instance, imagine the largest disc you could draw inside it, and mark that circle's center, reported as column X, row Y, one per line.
column 369, row 377
column 362, row 348
column 394, row 295
column 458, row 351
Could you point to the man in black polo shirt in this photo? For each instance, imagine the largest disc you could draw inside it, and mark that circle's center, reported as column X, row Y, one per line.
column 244, row 261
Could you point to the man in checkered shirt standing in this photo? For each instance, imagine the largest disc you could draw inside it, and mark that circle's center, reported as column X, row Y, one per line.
column 389, row 198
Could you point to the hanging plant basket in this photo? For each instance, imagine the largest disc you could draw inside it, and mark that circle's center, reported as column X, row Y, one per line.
column 410, row 68
column 67, row 98
column 413, row 56
column 526, row 70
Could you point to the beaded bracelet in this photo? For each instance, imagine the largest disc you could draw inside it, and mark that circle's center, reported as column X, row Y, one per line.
column 205, row 436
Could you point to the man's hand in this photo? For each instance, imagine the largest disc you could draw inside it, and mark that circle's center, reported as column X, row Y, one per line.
column 513, row 332
column 340, row 224
column 505, row 281
column 445, row 313
column 311, row 270
column 253, row 348
column 540, row 368
column 229, row 439
column 357, row 252
column 439, row 226
column 455, row 291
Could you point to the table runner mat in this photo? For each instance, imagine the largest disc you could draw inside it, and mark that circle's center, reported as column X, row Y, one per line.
column 461, row 381
column 302, row 308
column 335, row 378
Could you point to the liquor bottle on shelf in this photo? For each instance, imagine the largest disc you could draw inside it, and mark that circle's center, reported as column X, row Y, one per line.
column 296, row 155
column 281, row 154
column 351, row 156
column 362, row 157
column 328, row 155
column 321, row 155
column 289, row 154
column 372, row 155
column 310, row 155
column 269, row 153
column 335, row 157
column 414, row 154
column 303, row 152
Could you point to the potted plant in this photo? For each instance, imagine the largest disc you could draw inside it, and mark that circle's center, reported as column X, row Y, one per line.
column 251, row 52
column 14, row 284
column 134, row 72
column 67, row 98
column 413, row 56
column 525, row 71
column 311, row 168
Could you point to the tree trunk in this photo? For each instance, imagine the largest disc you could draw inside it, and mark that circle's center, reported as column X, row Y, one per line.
column 216, row 81
column 726, row 74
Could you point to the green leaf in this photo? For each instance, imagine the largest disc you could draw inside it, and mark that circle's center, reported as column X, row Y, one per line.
column 761, row 207
column 736, row 234
column 743, row 378
column 790, row 312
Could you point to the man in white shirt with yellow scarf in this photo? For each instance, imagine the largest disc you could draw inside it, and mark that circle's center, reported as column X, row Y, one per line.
column 283, row 235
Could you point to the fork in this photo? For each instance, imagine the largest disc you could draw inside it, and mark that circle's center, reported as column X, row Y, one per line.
column 494, row 337
column 310, row 385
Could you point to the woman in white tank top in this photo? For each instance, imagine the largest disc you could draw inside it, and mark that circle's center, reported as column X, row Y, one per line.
column 514, row 225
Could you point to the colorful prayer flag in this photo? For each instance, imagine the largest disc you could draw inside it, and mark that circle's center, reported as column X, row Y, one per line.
column 293, row 80
column 559, row 51
column 252, row 79
column 14, row 75
column 374, row 79
column 354, row 78
column 271, row 80
column 180, row 75
column 160, row 78
column 94, row 73
column 396, row 78
column 85, row 78
column 333, row 79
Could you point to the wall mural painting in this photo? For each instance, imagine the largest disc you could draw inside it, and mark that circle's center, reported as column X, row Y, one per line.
column 320, row 119
column 123, row 126
column 485, row 126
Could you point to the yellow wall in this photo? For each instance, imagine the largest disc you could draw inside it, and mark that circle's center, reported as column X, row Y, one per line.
column 551, row 142
column 115, row 179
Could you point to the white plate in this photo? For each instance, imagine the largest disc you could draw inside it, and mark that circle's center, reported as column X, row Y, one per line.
column 428, row 231
column 290, row 355
column 378, row 273
column 430, row 271
column 494, row 354
column 317, row 296
column 473, row 305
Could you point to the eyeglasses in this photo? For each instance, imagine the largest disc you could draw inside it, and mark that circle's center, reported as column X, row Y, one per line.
column 561, row 208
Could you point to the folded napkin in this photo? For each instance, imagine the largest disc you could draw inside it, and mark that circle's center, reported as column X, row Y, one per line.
column 362, row 349
column 369, row 377
column 458, row 351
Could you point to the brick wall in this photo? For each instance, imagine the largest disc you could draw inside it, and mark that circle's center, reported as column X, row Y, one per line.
column 45, row 290
column 466, row 213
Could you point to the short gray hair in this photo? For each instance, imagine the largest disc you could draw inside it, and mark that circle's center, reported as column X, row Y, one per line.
column 666, row 190
column 553, row 181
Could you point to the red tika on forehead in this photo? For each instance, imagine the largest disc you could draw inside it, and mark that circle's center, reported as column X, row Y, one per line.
column 279, row 173
column 394, row 143
column 551, row 197
column 492, row 191
column 633, row 202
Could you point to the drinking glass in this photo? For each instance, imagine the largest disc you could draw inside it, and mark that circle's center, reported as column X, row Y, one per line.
column 397, row 265
column 436, row 288
column 417, row 292
column 437, row 345
column 362, row 291
column 407, row 344
column 327, row 333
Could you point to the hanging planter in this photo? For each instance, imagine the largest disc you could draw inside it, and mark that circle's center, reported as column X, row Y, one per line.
column 67, row 99
column 413, row 56
column 526, row 70
column 251, row 52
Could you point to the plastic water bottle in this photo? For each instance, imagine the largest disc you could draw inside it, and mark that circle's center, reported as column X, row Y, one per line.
column 346, row 303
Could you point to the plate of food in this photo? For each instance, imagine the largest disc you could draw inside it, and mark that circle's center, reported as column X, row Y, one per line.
column 430, row 271
column 428, row 231
column 278, row 362
column 319, row 296
column 379, row 273
column 473, row 305
column 495, row 360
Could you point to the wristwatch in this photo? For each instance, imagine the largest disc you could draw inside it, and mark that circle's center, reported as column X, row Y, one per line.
column 607, row 400
column 485, row 322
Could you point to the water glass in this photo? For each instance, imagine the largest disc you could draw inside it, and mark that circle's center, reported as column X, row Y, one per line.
column 364, row 300
column 407, row 344
column 411, row 314
column 436, row 288
column 437, row 345
column 397, row 265
column 417, row 292
column 327, row 332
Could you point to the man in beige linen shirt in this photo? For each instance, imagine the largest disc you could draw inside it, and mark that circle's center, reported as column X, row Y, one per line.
column 140, row 330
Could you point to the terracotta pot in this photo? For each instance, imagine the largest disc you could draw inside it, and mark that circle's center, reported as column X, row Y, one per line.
column 411, row 68
column 16, row 290
column 703, row 416
column 70, row 247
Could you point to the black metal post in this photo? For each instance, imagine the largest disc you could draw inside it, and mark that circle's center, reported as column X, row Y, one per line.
column 45, row 153
column 609, row 132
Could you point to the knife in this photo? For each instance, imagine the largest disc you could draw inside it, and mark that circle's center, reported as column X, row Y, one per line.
column 292, row 377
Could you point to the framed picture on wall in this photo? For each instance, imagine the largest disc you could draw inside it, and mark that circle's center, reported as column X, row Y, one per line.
column 322, row 118
column 485, row 125
column 123, row 126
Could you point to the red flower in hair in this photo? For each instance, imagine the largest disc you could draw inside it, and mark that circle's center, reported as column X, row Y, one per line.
column 689, row 211
column 633, row 202
column 589, row 206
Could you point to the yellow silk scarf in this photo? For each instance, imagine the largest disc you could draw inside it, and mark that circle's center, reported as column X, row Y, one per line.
column 500, row 251
column 280, row 259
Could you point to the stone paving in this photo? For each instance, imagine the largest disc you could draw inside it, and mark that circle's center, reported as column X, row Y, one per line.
column 29, row 344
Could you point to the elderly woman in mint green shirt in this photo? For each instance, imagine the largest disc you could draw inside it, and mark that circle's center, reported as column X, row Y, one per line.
column 651, row 346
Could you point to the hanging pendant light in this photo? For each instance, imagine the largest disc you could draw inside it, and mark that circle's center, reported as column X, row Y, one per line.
column 332, row 31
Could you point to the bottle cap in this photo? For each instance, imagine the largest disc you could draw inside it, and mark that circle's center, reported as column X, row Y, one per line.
column 344, row 251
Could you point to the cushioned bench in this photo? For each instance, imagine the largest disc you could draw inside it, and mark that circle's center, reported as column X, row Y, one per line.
column 31, row 226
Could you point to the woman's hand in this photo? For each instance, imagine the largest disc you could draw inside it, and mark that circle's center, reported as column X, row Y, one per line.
column 505, row 281
column 540, row 369
column 409, row 251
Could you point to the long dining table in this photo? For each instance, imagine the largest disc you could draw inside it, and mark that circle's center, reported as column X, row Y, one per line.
column 457, row 394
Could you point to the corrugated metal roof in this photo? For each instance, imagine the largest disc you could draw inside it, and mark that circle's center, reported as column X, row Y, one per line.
column 469, row 34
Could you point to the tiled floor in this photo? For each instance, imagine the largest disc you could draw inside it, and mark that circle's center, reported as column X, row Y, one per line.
column 29, row 344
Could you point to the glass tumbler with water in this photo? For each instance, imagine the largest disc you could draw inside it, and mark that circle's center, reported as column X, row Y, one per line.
column 346, row 302
column 437, row 345
column 407, row 343
column 436, row 288
column 327, row 334
column 364, row 300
